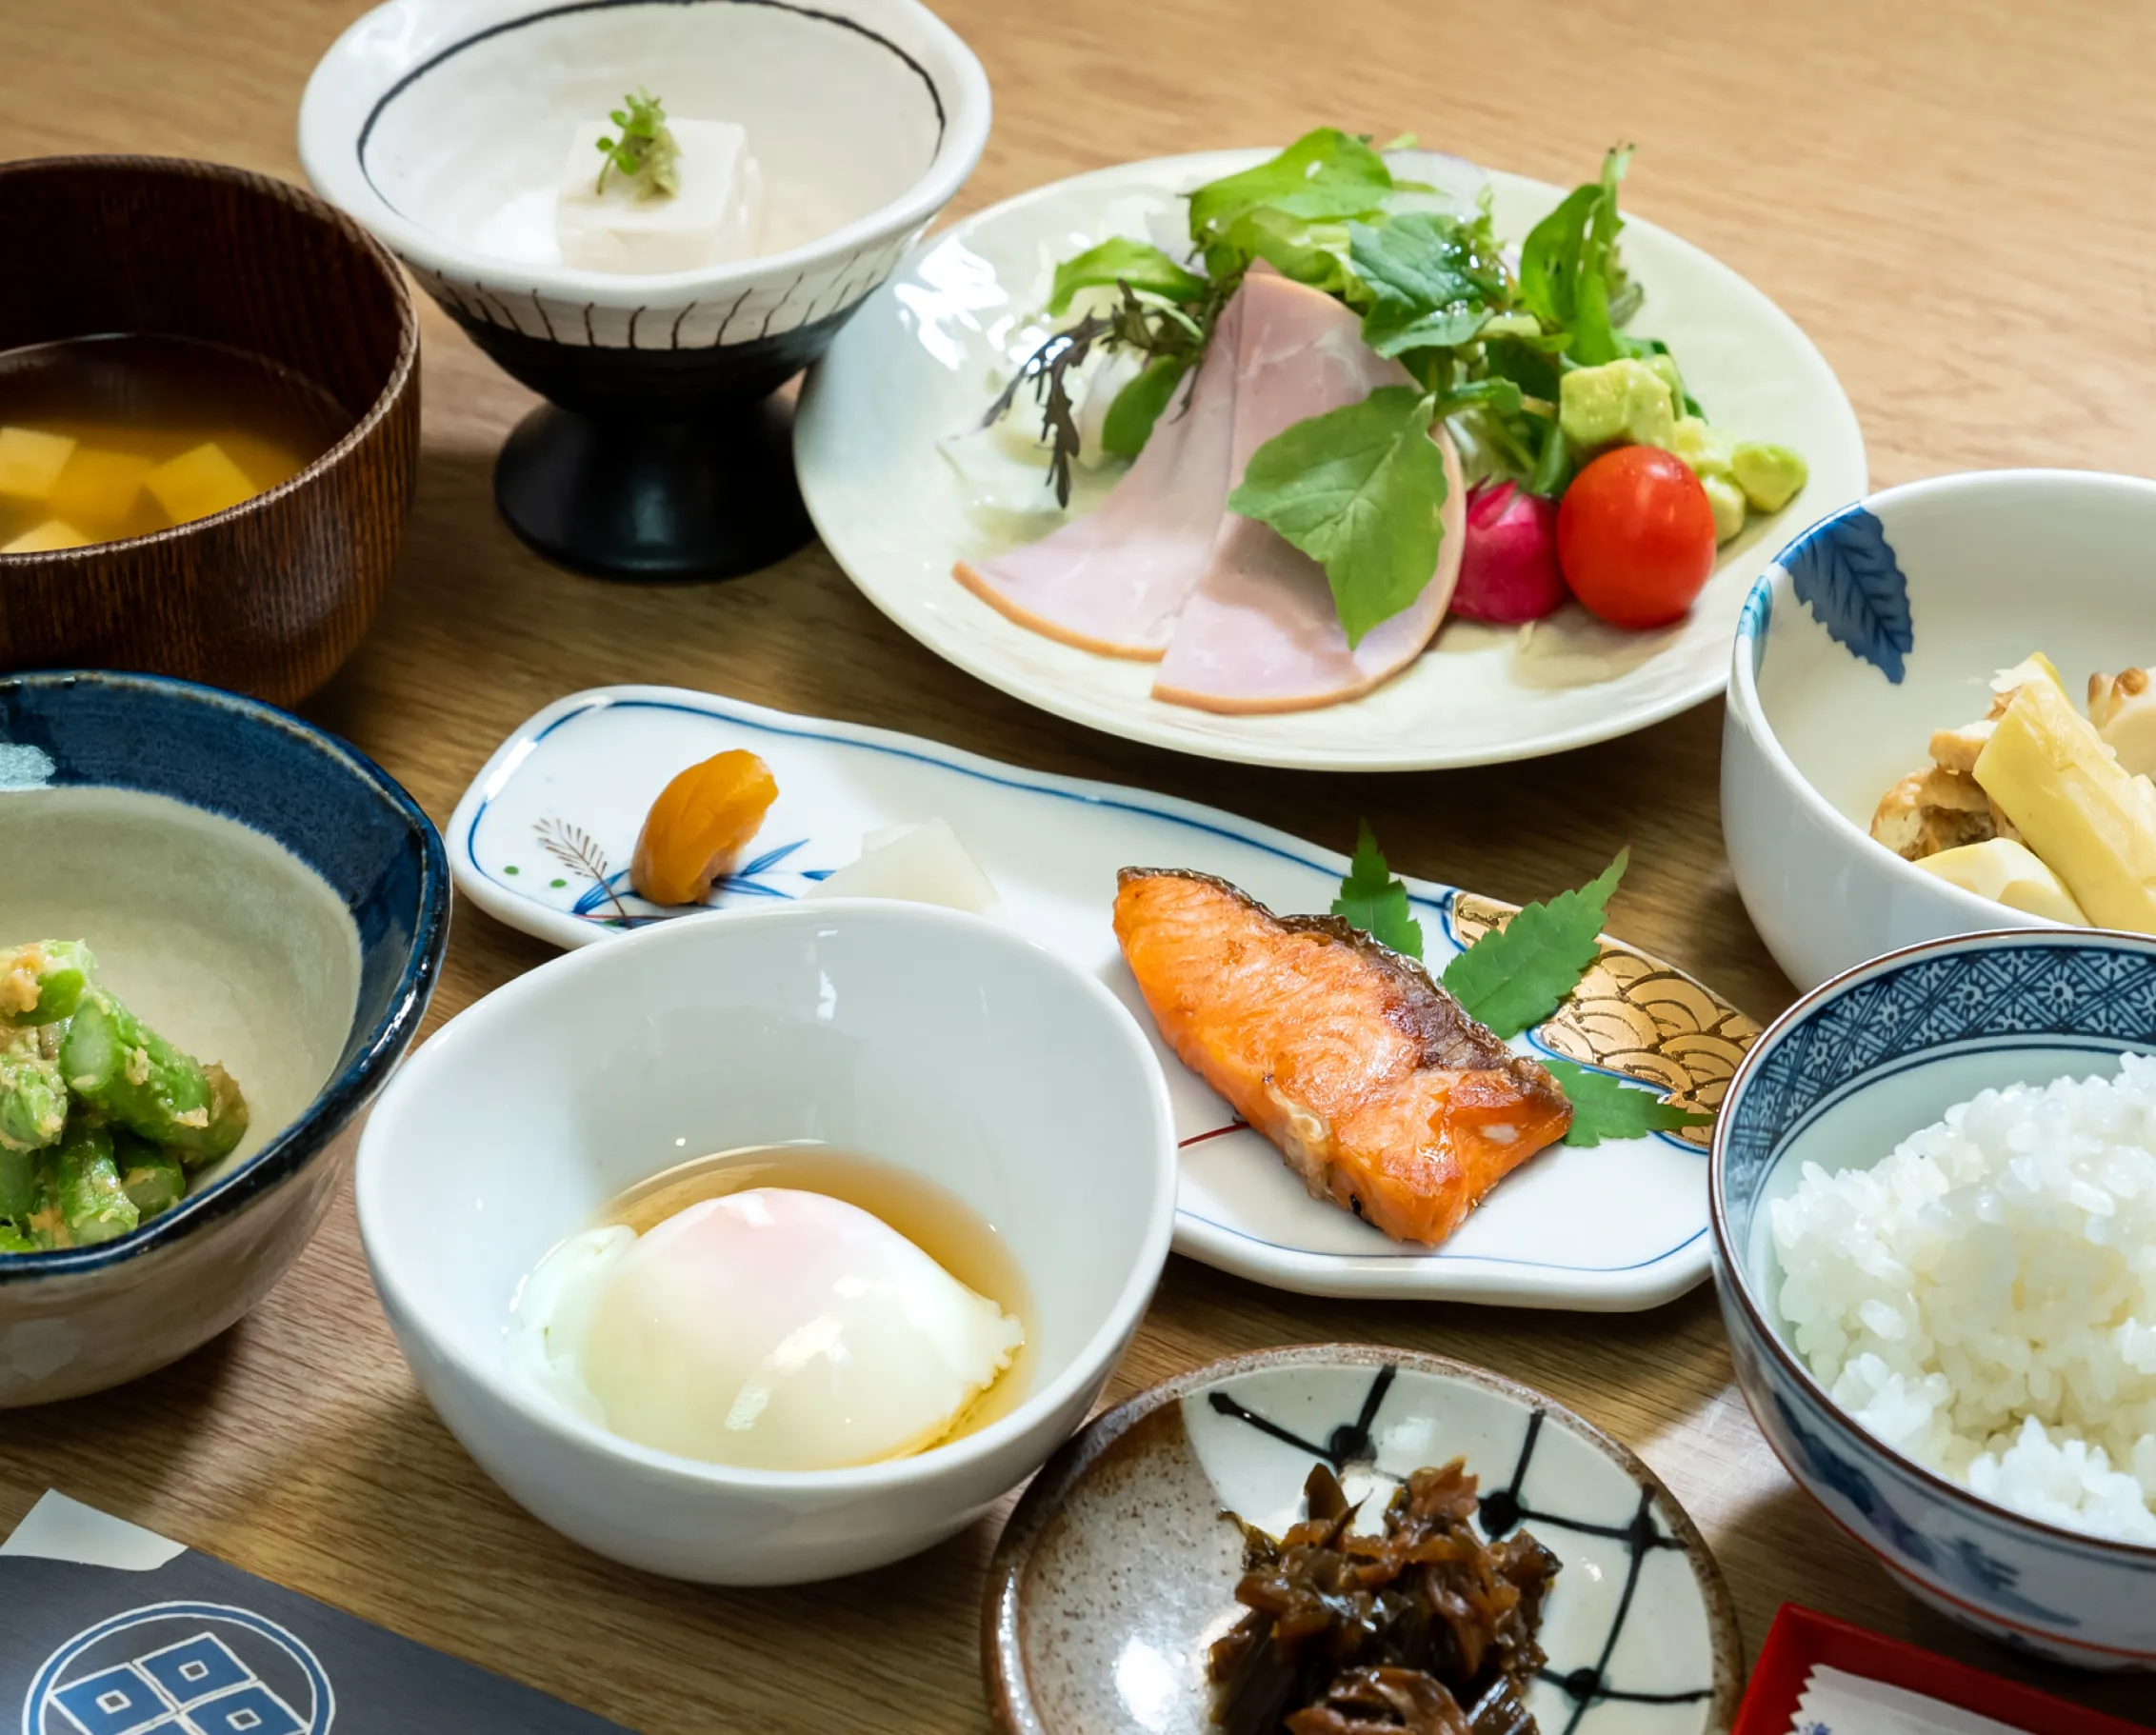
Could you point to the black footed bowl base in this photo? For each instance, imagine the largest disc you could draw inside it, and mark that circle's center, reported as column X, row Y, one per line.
column 646, row 499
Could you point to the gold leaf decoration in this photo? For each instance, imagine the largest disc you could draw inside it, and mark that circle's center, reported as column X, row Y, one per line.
column 1636, row 1015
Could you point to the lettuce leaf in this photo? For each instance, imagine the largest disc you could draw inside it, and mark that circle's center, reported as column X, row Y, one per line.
column 1129, row 420
column 1359, row 491
column 1571, row 277
column 1120, row 260
column 1325, row 174
column 1429, row 283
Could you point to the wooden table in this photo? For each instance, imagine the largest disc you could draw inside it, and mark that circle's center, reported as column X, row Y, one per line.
column 1948, row 194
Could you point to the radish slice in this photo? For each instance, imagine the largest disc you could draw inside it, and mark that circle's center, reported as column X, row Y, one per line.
column 923, row 864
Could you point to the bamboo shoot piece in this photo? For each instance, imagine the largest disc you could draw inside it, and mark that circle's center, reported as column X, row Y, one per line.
column 2006, row 873
column 2067, row 795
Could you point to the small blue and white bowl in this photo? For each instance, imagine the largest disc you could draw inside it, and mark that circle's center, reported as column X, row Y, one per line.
column 1841, row 1079
column 1873, row 629
column 263, row 896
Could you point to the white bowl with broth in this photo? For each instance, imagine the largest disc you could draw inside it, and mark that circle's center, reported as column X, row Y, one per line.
column 993, row 1103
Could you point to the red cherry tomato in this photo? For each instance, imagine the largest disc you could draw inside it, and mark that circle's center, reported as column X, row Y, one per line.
column 1635, row 536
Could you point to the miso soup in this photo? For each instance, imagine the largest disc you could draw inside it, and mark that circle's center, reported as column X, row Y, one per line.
column 107, row 437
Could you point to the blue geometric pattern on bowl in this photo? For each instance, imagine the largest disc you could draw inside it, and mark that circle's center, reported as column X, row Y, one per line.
column 1936, row 1002
column 1844, row 571
column 2063, row 1593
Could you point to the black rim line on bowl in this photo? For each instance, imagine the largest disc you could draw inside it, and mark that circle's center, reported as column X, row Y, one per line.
column 506, row 25
column 2006, row 1518
column 348, row 1091
column 1075, row 1460
column 299, row 199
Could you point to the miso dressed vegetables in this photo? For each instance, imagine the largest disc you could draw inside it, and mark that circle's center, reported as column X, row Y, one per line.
column 103, row 1121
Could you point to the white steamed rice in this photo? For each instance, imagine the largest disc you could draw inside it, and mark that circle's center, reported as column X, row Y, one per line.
column 1985, row 1299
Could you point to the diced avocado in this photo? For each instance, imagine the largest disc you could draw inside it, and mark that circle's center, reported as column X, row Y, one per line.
column 1625, row 402
column 1665, row 364
column 1707, row 449
column 1510, row 325
column 1770, row 475
column 1727, row 500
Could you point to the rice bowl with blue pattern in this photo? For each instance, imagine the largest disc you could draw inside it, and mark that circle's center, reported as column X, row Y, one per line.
column 1914, row 1182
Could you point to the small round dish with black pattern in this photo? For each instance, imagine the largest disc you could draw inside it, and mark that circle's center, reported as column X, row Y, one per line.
column 1117, row 1570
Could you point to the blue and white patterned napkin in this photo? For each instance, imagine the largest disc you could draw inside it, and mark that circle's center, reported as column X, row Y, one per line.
column 1835, row 1703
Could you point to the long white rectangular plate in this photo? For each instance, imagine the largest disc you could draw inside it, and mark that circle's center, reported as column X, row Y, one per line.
column 542, row 839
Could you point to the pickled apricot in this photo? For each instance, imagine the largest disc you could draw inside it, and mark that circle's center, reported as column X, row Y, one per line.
column 700, row 823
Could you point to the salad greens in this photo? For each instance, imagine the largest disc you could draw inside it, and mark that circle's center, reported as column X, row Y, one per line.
column 1488, row 345
column 1515, row 976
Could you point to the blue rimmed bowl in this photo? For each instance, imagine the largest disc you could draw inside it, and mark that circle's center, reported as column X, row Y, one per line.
column 1843, row 1077
column 266, row 897
column 1877, row 626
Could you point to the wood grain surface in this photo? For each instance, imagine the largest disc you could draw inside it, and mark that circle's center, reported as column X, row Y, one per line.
column 1948, row 194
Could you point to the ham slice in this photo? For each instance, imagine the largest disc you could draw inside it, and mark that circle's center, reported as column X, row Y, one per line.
column 1260, row 633
column 1115, row 580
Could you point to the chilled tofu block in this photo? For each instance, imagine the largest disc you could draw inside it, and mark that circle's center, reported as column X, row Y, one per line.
column 712, row 219
column 30, row 462
column 200, row 481
column 42, row 538
column 99, row 487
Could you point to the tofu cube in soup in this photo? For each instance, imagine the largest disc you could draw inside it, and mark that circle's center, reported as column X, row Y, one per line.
column 30, row 462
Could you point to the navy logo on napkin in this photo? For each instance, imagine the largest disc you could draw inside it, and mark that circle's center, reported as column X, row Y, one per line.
column 110, row 1630
column 182, row 1668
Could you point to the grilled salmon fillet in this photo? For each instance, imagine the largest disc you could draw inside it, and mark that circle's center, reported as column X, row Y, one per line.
column 1379, row 1090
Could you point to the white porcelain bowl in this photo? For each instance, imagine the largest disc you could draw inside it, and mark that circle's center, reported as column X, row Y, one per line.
column 927, row 1038
column 443, row 126
column 436, row 122
column 1875, row 627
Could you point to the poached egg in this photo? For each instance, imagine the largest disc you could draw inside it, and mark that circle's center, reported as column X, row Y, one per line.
column 772, row 1328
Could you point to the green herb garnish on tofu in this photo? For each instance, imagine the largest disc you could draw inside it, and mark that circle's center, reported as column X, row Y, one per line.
column 644, row 153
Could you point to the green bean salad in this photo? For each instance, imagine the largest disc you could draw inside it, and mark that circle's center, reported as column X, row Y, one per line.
column 101, row 1121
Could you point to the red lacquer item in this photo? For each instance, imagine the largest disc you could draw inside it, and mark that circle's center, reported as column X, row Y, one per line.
column 1801, row 1640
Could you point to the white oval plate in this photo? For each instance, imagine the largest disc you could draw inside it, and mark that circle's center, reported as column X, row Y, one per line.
column 543, row 837
column 919, row 361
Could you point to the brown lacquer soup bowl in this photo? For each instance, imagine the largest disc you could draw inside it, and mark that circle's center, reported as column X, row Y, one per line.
column 268, row 596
